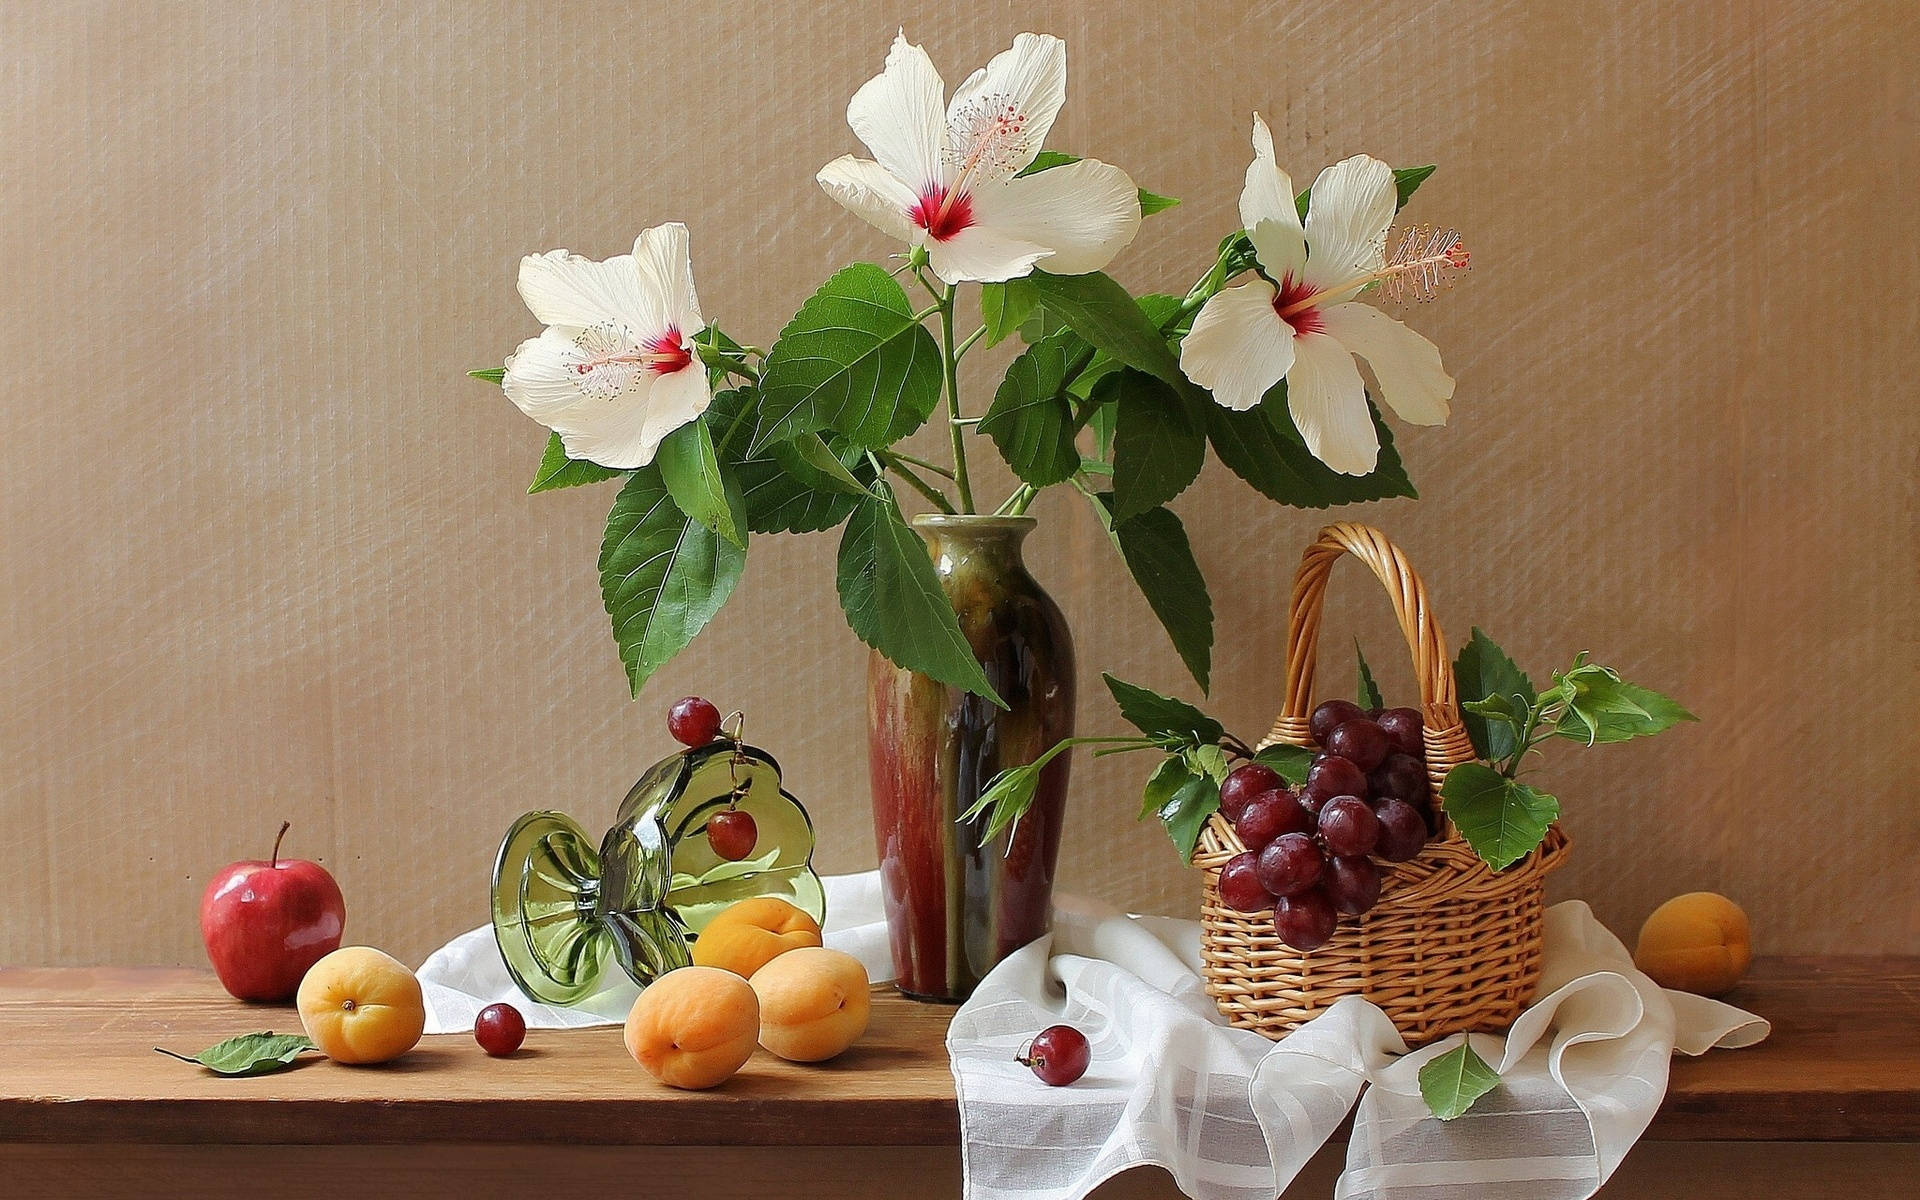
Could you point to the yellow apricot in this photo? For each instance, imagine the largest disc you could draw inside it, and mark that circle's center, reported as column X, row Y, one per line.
column 694, row 1027
column 814, row 1003
column 747, row 936
column 1696, row 943
column 361, row 1006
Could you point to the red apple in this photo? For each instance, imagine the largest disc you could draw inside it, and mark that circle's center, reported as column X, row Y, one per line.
column 265, row 923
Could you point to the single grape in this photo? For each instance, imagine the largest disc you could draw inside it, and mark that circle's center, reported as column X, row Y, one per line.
column 1329, row 776
column 1403, row 726
column 693, row 721
column 1291, row 865
column 1348, row 826
column 1245, row 782
column 732, row 834
column 1401, row 777
column 1270, row 815
column 1058, row 1054
column 1361, row 742
column 1330, row 716
column 499, row 1029
column 1403, row 831
column 1306, row 921
column 1353, row 884
column 1240, row 887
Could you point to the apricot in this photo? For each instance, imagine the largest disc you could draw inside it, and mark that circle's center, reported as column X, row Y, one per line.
column 747, row 936
column 814, row 1003
column 1696, row 943
column 361, row 1006
column 694, row 1027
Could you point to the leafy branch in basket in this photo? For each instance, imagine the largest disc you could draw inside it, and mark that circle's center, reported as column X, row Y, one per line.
column 1500, row 816
column 1115, row 396
column 1183, row 791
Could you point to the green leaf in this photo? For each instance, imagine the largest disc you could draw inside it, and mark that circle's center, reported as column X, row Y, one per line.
column 559, row 471
column 780, row 488
column 1368, row 695
column 249, row 1053
column 1483, row 670
column 490, row 374
column 1152, row 202
column 894, row 602
column 1210, row 761
column 1166, row 779
column 1008, row 798
column 692, row 475
column 1158, row 447
column 663, row 575
column 1106, row 316
column 1270, row 456
column 1290, row 761
column 852, row 359
column 1004, row 307
column 1606, row 708
column 1158, row 556
column 1030, row 419
column 1453, row 1081
column 1160, row 716
column 1187, row 812
column 1502, row 819
column 809, row 459
column 721, row 355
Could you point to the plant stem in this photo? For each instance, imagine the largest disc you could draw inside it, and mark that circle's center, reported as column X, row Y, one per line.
column 920, row 485
column 922, row 463
column 733, row 427
column 967, row 342
column 955, row 432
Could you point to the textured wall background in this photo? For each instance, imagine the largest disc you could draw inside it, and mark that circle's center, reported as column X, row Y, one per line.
column 266, row 552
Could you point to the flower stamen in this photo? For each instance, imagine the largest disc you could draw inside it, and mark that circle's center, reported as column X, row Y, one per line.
column 1420, row 268
column 611, row 358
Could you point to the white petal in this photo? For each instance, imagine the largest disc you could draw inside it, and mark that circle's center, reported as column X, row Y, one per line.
column 541, row 380
column 1031, row 78
column 562, row 288
column 626, row 432
column 982, row 254
column 665, row 263
column 1268, row 212
column 869, row 190
column 898, row 115
column 1328, row 404
column 1407, row 366
column 1238, row 346
column 1085, row 212
column 1347, row 220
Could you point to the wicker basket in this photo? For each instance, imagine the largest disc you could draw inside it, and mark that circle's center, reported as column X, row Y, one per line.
column 1452, row 945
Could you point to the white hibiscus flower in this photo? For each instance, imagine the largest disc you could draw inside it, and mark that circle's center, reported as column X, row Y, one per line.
column 1306, row 329
column 946, row 173
column 616, row 370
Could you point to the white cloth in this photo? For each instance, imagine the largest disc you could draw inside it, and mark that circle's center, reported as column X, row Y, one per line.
column 1231, row 1115
column 465, row 975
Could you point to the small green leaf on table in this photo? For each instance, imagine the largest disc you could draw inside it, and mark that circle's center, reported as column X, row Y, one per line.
column 1159, row 443
column 1291, row 761
column 559, row 471
column 1030, row 420
column 663, row 575
column 693, row 479
column 1160, row 559
column 1163, row 717
column 249, row 1053
column 1452, row 1082
column 1501, row 818
column 1483, row 670
column 893, row 599
column 1368, row 693
column 852, row 359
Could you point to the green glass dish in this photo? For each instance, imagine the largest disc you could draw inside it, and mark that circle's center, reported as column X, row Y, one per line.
column 565, row 910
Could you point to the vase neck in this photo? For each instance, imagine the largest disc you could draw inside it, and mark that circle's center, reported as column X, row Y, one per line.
column 974, row 543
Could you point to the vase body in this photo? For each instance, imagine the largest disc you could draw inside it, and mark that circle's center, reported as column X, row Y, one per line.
column 954, row 907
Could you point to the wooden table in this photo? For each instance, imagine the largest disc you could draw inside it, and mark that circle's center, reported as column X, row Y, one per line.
column 87, row 1107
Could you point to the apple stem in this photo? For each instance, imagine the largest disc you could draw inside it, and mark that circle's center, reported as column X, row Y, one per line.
column 284, row 826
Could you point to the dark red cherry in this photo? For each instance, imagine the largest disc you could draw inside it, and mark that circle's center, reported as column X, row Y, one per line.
column 499, row 1029
column 732, row 834
column 1058, row 1054
column 693, row 721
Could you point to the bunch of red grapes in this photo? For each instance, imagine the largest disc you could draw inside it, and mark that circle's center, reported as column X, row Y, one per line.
column 1310, row 853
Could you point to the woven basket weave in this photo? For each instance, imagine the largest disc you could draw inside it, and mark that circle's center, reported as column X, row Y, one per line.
column 1452, row 945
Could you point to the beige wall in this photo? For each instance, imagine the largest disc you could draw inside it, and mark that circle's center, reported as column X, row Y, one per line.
column 266, row 552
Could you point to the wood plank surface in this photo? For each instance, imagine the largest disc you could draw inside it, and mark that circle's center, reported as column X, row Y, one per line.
column 77, row 1066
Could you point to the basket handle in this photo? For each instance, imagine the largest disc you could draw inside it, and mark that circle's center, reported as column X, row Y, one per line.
column 1439, row 700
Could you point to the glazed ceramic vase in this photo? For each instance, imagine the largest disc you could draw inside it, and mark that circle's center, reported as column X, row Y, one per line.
column 955, row 907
